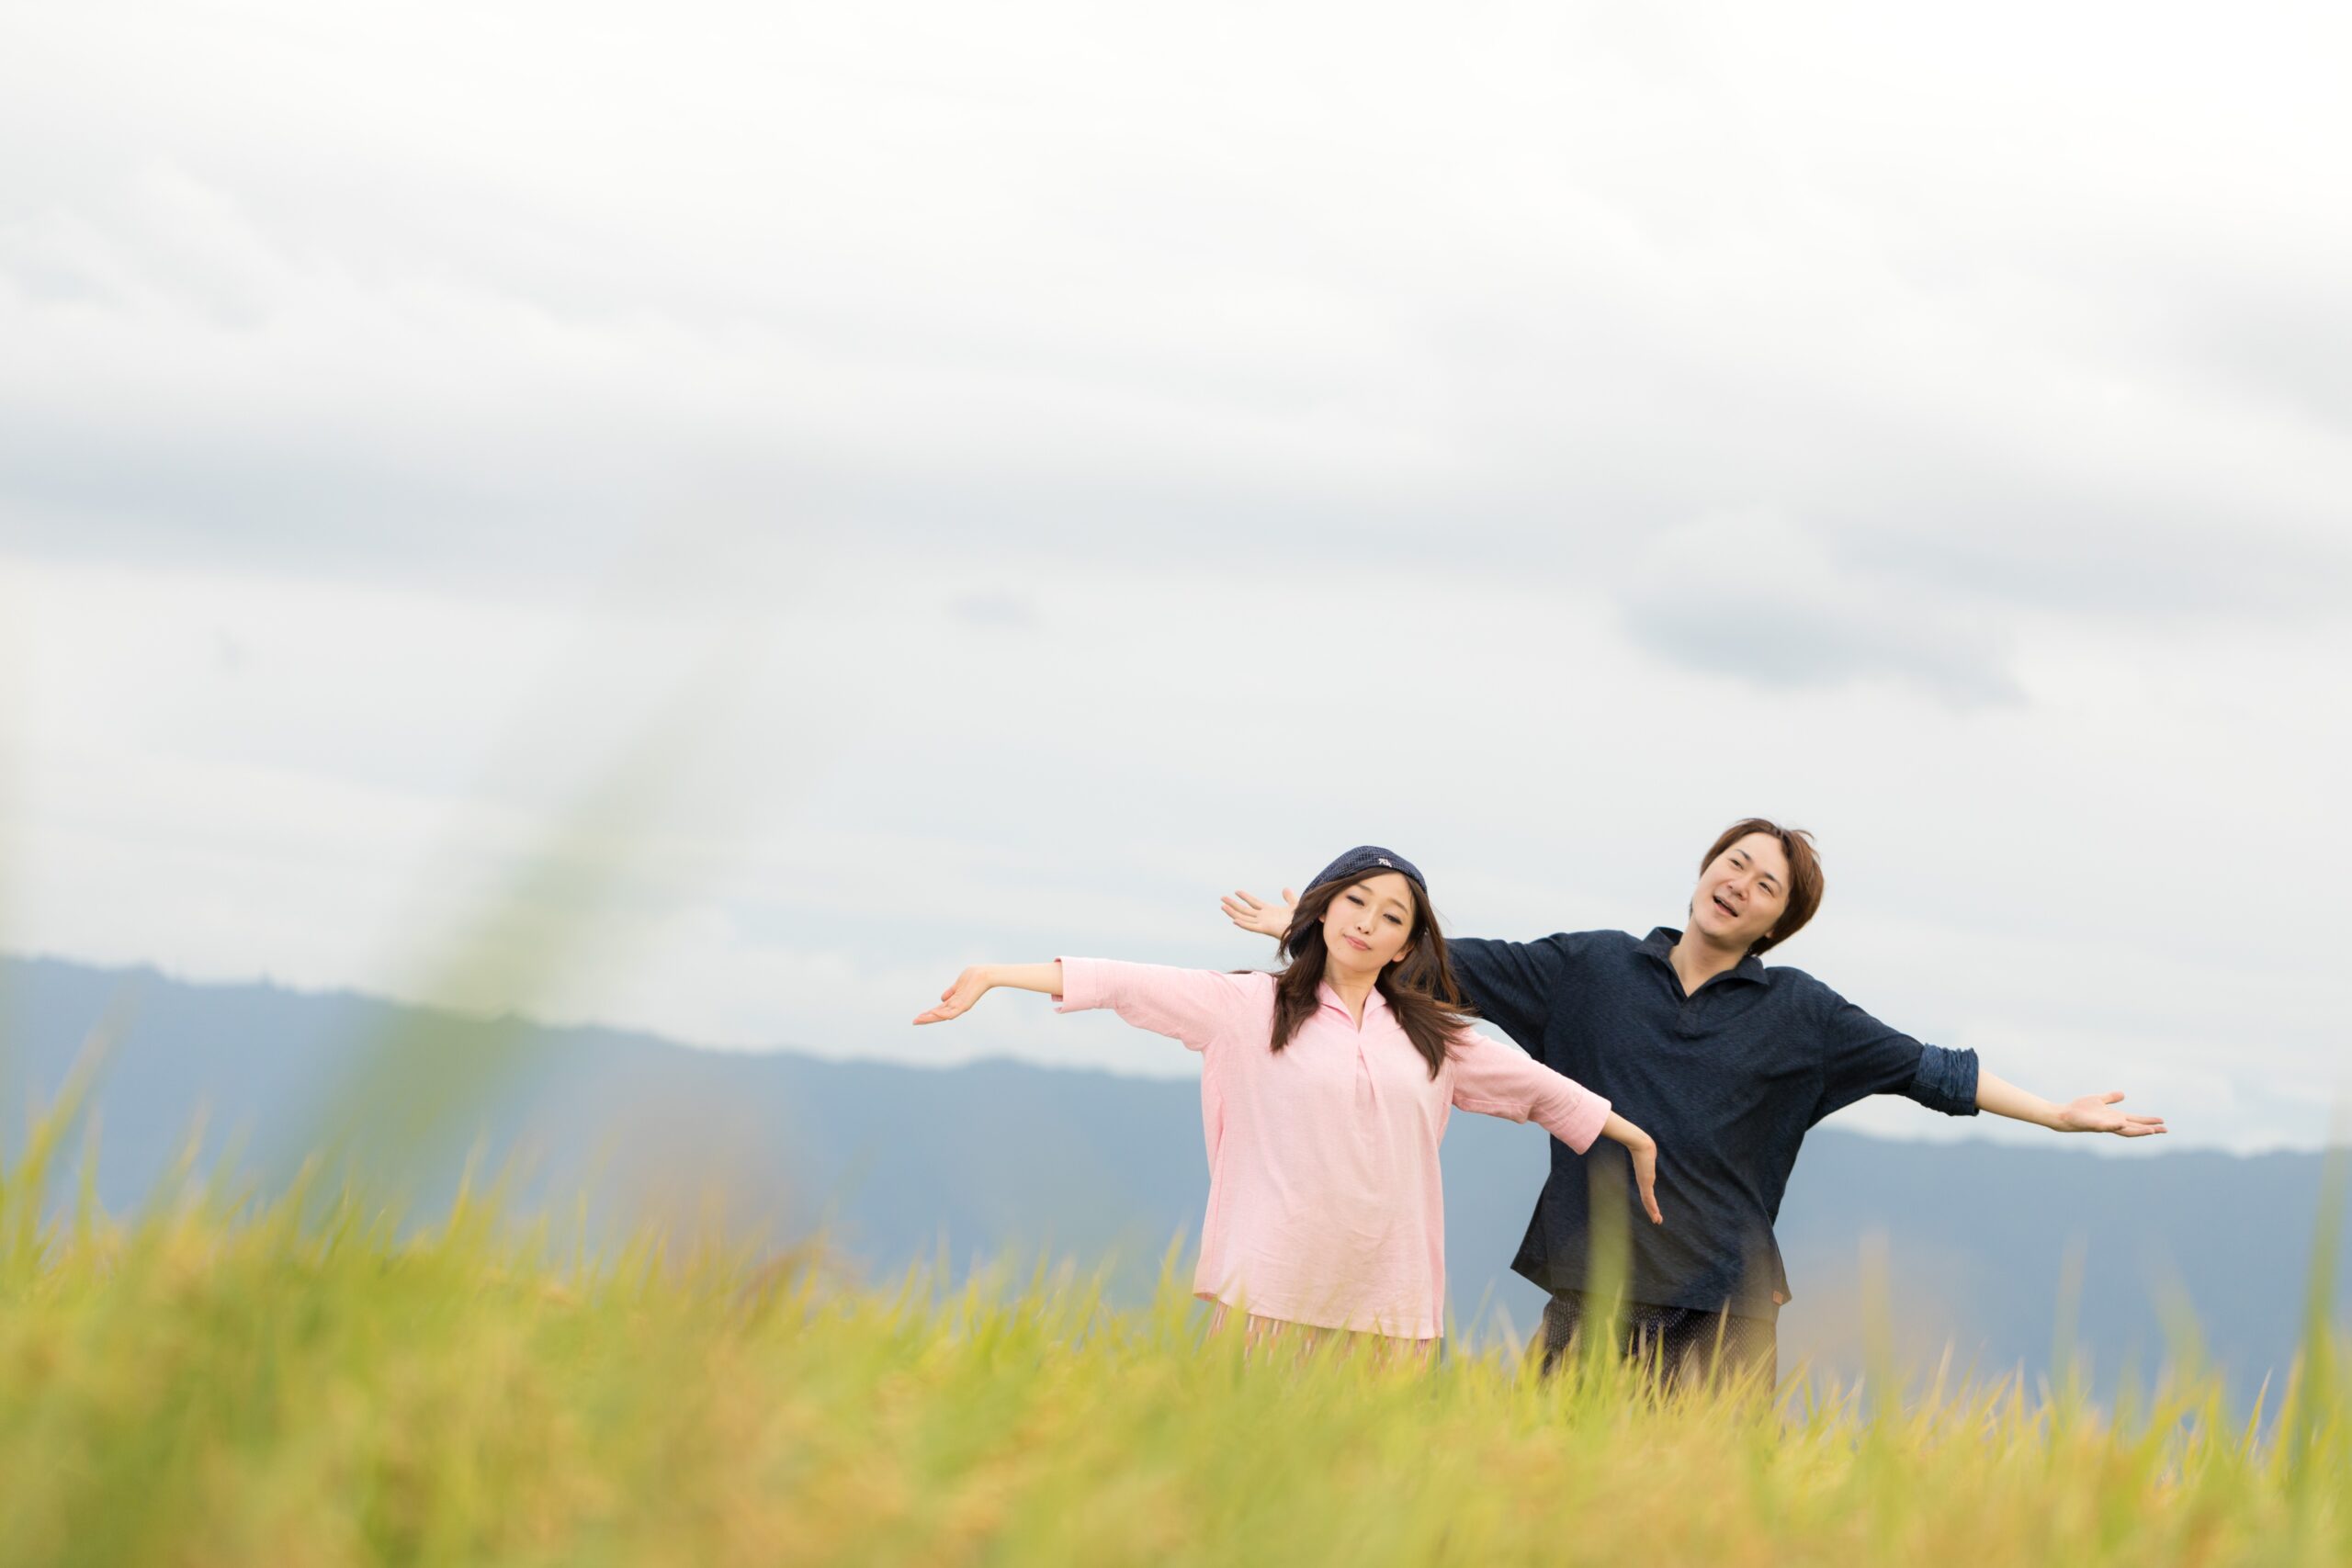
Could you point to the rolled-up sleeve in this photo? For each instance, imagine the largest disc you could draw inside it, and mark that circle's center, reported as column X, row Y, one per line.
column 1863, row 1056
column 1197, row 1007
column 1946, row 1080
column 1493, row 1079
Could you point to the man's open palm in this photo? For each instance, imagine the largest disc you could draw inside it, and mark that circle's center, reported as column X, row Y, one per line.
column 2096, row 1113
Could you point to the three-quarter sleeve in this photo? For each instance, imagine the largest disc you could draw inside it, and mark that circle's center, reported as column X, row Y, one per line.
column 1195, row 1006
column 1863, row 1056
column 1493, row 1079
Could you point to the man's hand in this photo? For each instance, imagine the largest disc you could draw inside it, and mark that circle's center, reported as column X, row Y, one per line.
column 1254, row 914
column 2090, row 1114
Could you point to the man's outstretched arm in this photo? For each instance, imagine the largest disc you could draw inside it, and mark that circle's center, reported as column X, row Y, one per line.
column 1865, row 1057
column 2091, row 1113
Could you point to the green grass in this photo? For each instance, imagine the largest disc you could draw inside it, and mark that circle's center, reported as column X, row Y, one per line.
column 225, row 1380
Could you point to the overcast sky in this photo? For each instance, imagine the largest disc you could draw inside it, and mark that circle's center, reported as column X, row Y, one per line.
column 765, row 505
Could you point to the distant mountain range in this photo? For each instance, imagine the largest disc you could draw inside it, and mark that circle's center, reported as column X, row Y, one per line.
column 1001, row 1161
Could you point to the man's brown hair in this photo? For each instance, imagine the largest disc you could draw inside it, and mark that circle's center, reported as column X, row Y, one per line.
column 1805, row 874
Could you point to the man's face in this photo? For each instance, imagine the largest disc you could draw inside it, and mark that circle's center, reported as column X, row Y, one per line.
column 1368, row 925
column 1742, row 892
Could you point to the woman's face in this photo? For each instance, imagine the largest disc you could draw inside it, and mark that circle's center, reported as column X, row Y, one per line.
column 1369, row 924
column 1742, row 892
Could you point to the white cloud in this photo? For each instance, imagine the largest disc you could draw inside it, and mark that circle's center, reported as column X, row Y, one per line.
column 2070, row 883
column 1760, row 599
column 1084, row 460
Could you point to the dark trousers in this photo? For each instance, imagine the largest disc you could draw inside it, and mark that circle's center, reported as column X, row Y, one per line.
column 1682, row 1342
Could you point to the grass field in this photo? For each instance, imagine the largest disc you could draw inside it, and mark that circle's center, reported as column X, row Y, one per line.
column 220, row 1381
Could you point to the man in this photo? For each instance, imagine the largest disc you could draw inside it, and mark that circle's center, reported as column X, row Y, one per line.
column 1727, row 1064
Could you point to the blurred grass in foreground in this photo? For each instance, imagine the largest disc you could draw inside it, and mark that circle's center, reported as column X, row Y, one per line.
column 222, row 1380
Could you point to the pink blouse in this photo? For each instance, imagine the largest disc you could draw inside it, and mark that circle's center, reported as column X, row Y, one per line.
column 1325, row 1201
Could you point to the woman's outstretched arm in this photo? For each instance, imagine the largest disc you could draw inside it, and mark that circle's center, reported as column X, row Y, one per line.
column 1195, row 1006
column 1493, row 1079
column 981, row 978
column 2091, row 1113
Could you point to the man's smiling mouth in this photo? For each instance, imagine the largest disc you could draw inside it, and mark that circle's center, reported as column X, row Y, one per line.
column 1726, row 908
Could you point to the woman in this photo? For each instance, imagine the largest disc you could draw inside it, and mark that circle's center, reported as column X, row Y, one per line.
column 1325, row 1091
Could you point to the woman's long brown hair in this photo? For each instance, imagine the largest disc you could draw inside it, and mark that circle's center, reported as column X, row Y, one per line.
column 1420, row 990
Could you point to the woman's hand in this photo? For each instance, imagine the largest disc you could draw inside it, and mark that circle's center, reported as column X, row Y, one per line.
column 956, row 1000
column 1254, row 914
column 1644, row 1149
column 2090, row 1114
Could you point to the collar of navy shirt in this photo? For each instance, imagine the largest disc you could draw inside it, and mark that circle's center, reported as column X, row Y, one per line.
column 1659, row 947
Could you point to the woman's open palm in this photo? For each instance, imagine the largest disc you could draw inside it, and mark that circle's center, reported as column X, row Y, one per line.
column 958, row 998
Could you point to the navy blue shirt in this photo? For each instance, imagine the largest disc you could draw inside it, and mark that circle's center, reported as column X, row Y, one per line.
column 1728, row 1080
